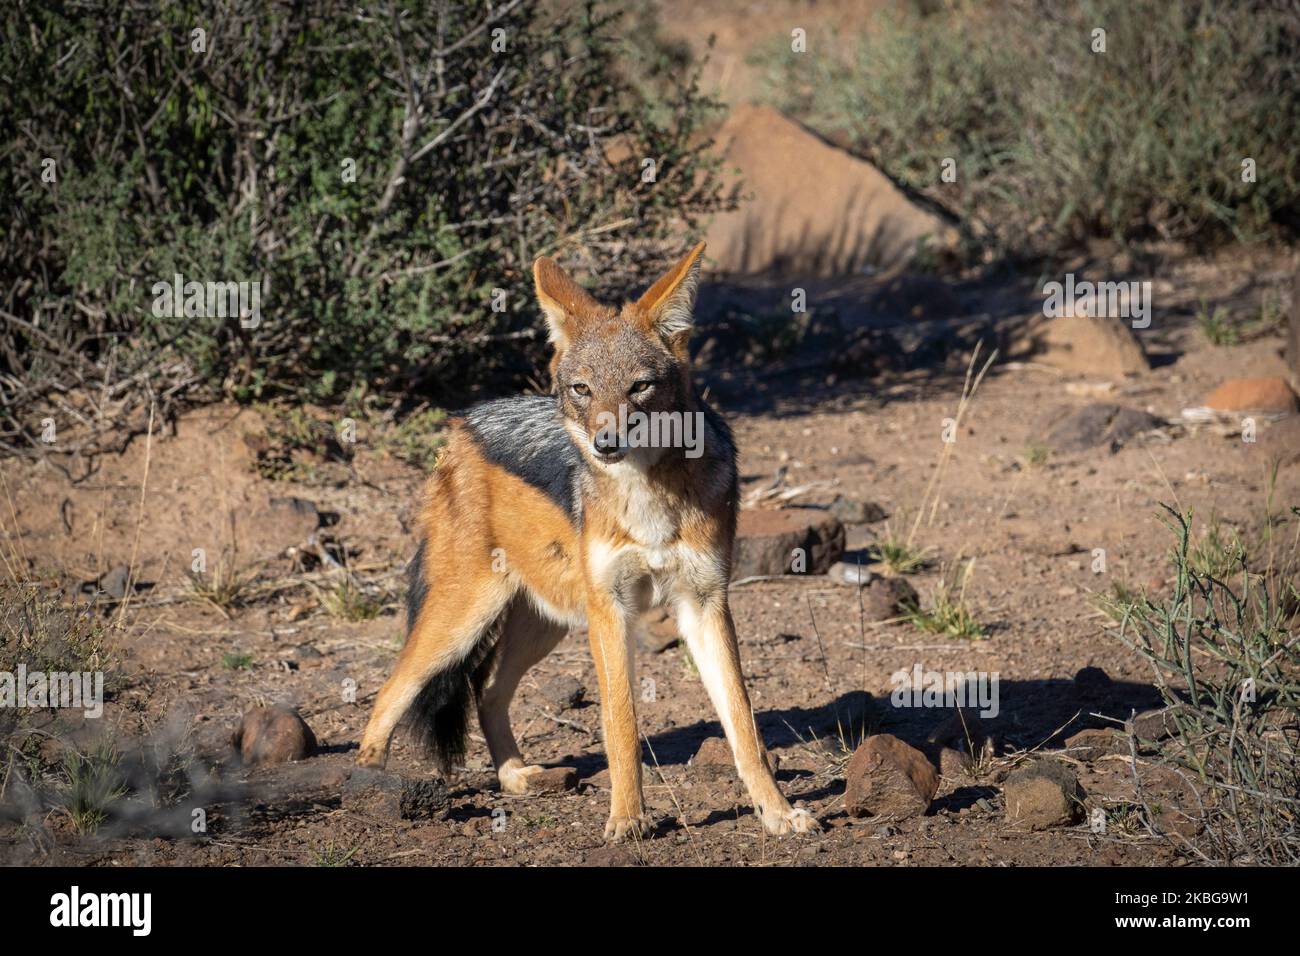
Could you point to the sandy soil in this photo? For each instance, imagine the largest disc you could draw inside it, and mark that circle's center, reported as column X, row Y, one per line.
column 1030, row 524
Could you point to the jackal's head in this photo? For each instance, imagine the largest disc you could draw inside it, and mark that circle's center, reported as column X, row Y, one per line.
column 620, row 366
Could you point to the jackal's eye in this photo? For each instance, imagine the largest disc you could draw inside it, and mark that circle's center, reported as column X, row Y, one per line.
column 639, row 388
column 580, row 389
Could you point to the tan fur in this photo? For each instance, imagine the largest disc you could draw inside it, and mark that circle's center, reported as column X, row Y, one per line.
column 653, row 531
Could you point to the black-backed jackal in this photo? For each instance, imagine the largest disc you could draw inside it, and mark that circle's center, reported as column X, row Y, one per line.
column 545, row 512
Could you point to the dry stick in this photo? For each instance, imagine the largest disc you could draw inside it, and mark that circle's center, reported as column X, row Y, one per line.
column 19, row 550
column 139, row 520
column 18, row 556
column 567, row 723
column 967, row 393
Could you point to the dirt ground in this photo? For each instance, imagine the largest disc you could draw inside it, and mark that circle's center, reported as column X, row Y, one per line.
column 1030, row 520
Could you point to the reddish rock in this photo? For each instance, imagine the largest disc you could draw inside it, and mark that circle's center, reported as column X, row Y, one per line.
column 1153, row 725
column 1042, row 795
column 767, row 542
column 954, row 763
column 1090, row 345
column 887, row 598
column 791, row 178
column 1090, row 745
column 886, row 778
column 553, row 780
column 1270, row 394
column 271, row 735
column 564, row 691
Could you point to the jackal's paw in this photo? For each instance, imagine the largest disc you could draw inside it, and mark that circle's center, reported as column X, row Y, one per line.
column 372, row 757
column 514, row 779
column 621, row 829
column 790, row 820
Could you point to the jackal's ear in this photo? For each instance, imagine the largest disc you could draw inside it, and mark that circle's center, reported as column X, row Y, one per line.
column 562, row 300
column 669, row 303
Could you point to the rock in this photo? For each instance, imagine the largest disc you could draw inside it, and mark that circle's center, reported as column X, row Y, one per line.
column 553, row 780
column 714, row 760
column 954, row 763
column 1090, row 345
column 564, row 691
column 114, row 582
column 853, row 511
column 792, row 178
column 1153, row 725
column 658, row 631
column 1044, row 794
column 1271, row 394
column 272, row 735
column 1097, row 425
column 1093, row 683
column 887, row 598
column 1090, row 745
column 888, row 779
column 842, row 572
column 394, row 797
column 777, row 542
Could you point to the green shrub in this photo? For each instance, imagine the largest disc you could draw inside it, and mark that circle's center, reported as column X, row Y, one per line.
column 1054, row 143
column 1225, row 658
column 233, row 163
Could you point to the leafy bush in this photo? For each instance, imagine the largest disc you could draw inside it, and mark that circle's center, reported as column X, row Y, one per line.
column 1226, row 661
column 218, row 140
column 1053, row 142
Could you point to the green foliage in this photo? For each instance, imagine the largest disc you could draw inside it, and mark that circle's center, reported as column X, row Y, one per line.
column 1225, row 657
column 1054, row 142
column 949, row 613
column 233, row 164
column 93, row 783
column 896, row 551
column 236, row 661
column 1215, row 325
column 348, row 601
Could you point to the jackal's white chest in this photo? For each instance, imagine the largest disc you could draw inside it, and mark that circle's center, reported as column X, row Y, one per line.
column 647, row 515
column 652, row 520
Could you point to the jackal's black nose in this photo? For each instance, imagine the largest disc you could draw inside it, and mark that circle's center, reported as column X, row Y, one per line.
column 605, row 443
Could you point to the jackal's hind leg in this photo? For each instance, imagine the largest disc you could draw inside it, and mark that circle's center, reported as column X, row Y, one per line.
column 526, row 638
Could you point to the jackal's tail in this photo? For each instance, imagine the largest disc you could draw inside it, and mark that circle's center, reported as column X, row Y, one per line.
column 439, row 716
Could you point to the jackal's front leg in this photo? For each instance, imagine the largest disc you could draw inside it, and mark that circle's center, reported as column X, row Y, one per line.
column 711, row 636
column 612, row 654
